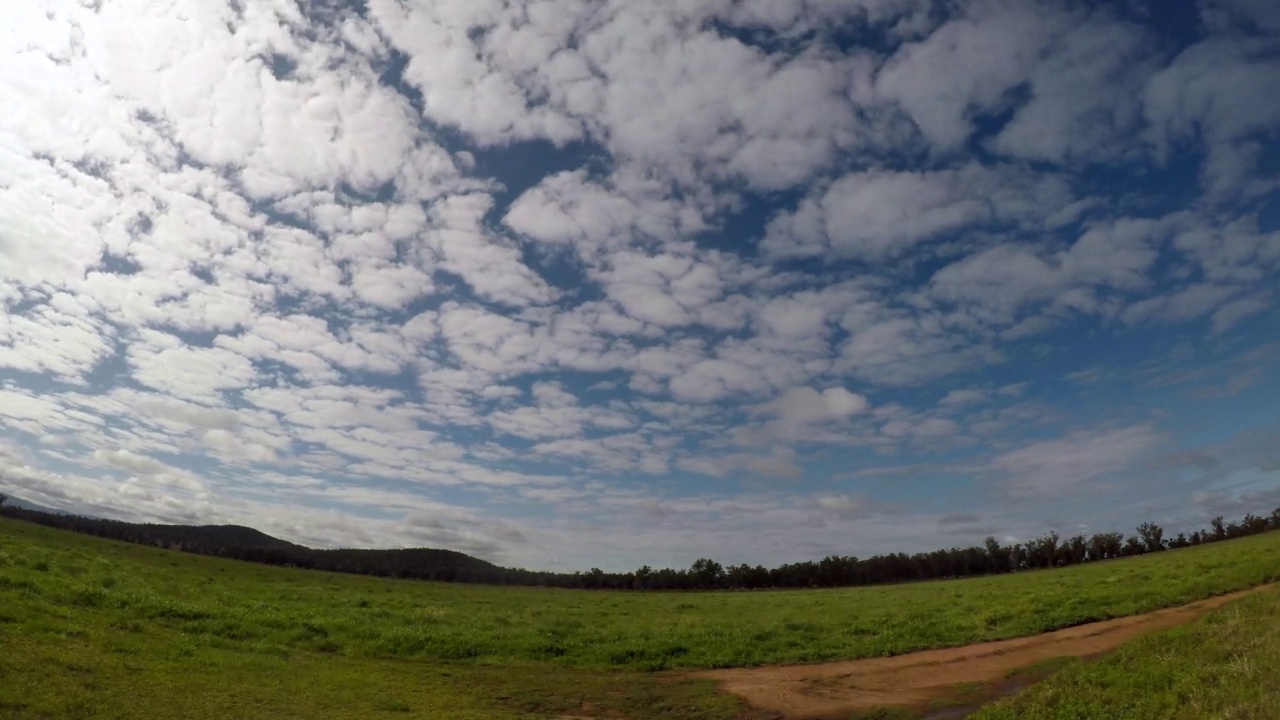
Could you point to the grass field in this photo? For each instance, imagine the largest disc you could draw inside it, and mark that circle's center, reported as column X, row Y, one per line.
column 92, row 628
column 1225, row 665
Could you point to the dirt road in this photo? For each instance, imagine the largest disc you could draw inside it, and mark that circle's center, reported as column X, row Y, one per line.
column 916, row 680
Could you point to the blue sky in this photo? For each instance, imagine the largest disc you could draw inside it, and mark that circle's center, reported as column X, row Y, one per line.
column 564, row 283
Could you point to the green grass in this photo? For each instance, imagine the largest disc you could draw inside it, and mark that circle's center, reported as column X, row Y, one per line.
column 1225, row 665
column 97, row 629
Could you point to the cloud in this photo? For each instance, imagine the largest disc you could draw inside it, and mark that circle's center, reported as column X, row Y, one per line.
column 880, row 215
column 467, row 273
column 962, row 397
column 492, row 268
column 845, row 505
column 1213, row 92
column 966, row 66
column 162, row 362
column 1064, row 466
column 804, row 404
column 1084, row 93
column 902, row 349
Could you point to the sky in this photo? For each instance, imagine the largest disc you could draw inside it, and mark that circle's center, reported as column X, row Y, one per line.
column 571, row 283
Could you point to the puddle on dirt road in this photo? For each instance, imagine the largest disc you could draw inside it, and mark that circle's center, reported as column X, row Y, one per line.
column 1012, row 686
column 918, row 681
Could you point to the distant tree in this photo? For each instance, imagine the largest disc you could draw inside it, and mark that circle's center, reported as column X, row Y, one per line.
column 1043, row 551
column 1152, row 536
column 1253, row 524
column 706, row 573
column 1017, row 557
column 760, row 577
column 1104, row 546
column 642, row 577
column 1219, row 530
column 998, row 557
column 448, row 566
column 746, row 577
column 1134, row 546
column 1077, row 549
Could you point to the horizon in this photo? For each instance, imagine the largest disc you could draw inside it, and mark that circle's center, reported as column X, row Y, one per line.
column 1217, row 529
column 564, row 284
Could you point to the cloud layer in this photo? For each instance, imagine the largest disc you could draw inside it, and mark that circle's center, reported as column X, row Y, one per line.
column 565, row 283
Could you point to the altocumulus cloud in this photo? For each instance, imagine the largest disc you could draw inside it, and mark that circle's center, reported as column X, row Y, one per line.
column 565, row 283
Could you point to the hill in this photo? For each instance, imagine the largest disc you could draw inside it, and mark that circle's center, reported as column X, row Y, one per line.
column 245, row 543
column 230, row 536
column 991, row 558
column 11, row 501
column 102, row 630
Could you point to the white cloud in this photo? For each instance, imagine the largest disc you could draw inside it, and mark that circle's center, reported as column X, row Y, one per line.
column 804, row 404
column 997, row 284
column 162, row 362
column 1259, row 12
column 361, row 279
column 50, row 216
column 59, row 338
column 1217, row 92
column 967, row 65
column 465, row 88
column 880, row 215
column 490, row 266
column 794, row 317
column 901, row 350
column 664, row 289
column 1084, row 95
column 593, row 217
column 956, row 398
column 1063, row 467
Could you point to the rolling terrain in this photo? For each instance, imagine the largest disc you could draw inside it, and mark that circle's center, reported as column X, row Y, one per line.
column 100, row 629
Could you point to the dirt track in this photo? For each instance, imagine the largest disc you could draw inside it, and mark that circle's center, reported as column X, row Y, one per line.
column 917, row 679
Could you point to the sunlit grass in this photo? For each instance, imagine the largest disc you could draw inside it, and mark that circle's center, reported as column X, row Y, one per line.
column 1225, row 665
column 94, row 628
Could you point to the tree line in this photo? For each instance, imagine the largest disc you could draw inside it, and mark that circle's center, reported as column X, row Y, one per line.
column 991, row 558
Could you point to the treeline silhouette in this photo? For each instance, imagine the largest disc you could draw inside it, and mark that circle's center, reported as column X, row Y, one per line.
column 990, row 558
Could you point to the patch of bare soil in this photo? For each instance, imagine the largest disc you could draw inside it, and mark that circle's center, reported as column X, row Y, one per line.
column 919, row 680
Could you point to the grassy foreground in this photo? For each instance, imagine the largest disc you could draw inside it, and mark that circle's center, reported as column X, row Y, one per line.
column 96, row 629
column 1225, row 665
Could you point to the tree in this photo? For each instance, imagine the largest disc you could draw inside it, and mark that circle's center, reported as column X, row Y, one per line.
column 1152, row 536
column 1219, row 530
column 706, row 572
column 642, row 577
column 1043, row 551
column 595, row 578
column 1077, row 549
column 1133, row 546
column 746, row 577
column 1253, row 524
column 1105, row 546
column 3, row 499
column 1000, row 558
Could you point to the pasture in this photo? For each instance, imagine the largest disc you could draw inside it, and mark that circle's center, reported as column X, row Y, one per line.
column 92, row 628
column 1224, row 665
